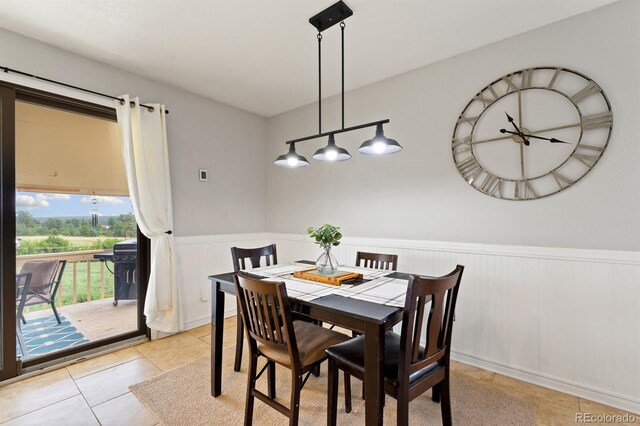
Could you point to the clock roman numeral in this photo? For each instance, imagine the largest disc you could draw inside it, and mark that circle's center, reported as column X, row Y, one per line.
column 470, row 120
column 590, row 147
column 491, row 184
column 561, row 180
column 604, row 119
column 486, row 101
column 487, row 97
column 526, row 79
column 511, row 87
column 528, row 190
column 462, row 145
column 493, row 92
column 554, row 78
column 587, row 159
column 523, row 190
column 587, row 91
column 469, row 169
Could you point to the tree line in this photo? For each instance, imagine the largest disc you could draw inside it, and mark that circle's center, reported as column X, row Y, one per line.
column 123, row 225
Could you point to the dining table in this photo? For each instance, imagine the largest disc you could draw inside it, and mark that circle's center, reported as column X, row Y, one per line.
column 367, row 317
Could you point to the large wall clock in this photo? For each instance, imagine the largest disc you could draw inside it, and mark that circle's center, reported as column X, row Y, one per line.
column 532, row 133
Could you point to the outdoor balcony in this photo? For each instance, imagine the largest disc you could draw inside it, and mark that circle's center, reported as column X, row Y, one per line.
column 84, row 301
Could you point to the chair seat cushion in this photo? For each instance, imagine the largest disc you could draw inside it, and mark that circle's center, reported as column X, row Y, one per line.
column 312, row 341
column 350, row 354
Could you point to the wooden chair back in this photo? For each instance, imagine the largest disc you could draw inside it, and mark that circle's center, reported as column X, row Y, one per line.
column 377, row 260
column 442, row 292
column 240, row 255
column 266, row 314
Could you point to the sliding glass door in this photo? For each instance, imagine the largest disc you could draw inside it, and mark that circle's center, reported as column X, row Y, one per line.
column 67, row 224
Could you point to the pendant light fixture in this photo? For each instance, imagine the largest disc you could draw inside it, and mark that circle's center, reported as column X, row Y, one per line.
column 291, row 159
column 331, row 152
column 379, row 145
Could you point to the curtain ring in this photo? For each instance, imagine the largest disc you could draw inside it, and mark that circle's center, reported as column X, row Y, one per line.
column 150, row 109
column 122, row 101
column 132, row 104
column 169, row 232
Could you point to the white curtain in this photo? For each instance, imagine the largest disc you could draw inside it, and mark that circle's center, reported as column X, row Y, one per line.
column 144, row 148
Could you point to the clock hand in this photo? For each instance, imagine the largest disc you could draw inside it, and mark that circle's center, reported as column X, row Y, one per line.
column 510, row 119
column 552, row 140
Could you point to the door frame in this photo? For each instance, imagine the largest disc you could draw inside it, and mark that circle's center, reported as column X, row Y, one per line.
column 8, row 364
column 8, row 231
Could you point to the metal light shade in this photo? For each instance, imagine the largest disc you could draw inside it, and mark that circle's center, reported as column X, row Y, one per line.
column 380, row 144
column 291, row 160
column 331, row 152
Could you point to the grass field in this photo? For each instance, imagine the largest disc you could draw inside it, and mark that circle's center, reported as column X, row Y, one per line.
column 75, row 241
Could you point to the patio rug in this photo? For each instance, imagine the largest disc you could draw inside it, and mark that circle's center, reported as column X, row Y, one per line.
column 44, row 335
column 182, row 396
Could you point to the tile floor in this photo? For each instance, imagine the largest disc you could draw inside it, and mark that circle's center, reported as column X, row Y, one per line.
column 96, row 391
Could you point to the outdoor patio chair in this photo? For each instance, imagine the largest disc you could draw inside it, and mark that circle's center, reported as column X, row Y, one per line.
column 22, row 290
column 45, row 280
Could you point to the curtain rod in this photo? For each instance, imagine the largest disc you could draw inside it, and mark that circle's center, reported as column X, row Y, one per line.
column 115, row 98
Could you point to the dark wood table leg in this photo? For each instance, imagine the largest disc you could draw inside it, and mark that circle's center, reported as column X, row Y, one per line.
column 217, row 327
column 374, row 373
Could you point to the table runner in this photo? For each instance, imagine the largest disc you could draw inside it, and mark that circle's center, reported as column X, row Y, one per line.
column 384, row 291
column 305, row 290
column 380, row 290
column 277, row 270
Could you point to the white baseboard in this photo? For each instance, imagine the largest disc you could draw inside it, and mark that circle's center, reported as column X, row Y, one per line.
column 575, row 389
column 206, row 320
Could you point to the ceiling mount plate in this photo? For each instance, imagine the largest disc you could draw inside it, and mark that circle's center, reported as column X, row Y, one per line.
column 330, row 16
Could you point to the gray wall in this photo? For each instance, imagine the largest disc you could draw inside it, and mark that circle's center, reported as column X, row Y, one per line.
column 418, row 194
column 202, row 134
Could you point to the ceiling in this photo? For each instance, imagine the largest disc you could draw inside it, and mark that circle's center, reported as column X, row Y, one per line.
column 261, row 55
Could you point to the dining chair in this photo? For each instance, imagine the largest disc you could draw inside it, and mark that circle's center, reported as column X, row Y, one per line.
column 410, row 369
column 46, row 276
column 254, row 256
column 374, row 261
column 377, row 260
column 22, row 291
column 273, row 334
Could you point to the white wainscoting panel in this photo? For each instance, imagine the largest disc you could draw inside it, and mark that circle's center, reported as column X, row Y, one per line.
column 199, row 257
column 567, row 319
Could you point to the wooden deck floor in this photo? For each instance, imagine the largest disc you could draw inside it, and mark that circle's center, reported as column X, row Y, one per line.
column 97, row 319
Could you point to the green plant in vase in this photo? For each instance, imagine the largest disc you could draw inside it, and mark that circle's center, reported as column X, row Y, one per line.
column 326, row 236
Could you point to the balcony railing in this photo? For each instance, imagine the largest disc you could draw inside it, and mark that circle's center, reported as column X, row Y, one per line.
column 80, row 280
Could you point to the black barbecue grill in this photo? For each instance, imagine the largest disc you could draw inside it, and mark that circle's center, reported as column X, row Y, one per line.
column 125, row 281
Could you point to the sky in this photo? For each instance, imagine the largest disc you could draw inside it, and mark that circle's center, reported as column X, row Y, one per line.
column 61, row 205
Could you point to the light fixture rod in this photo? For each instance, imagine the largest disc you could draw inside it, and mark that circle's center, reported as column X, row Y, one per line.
column 335, row 132
column 342, row 25
column 319, row 83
